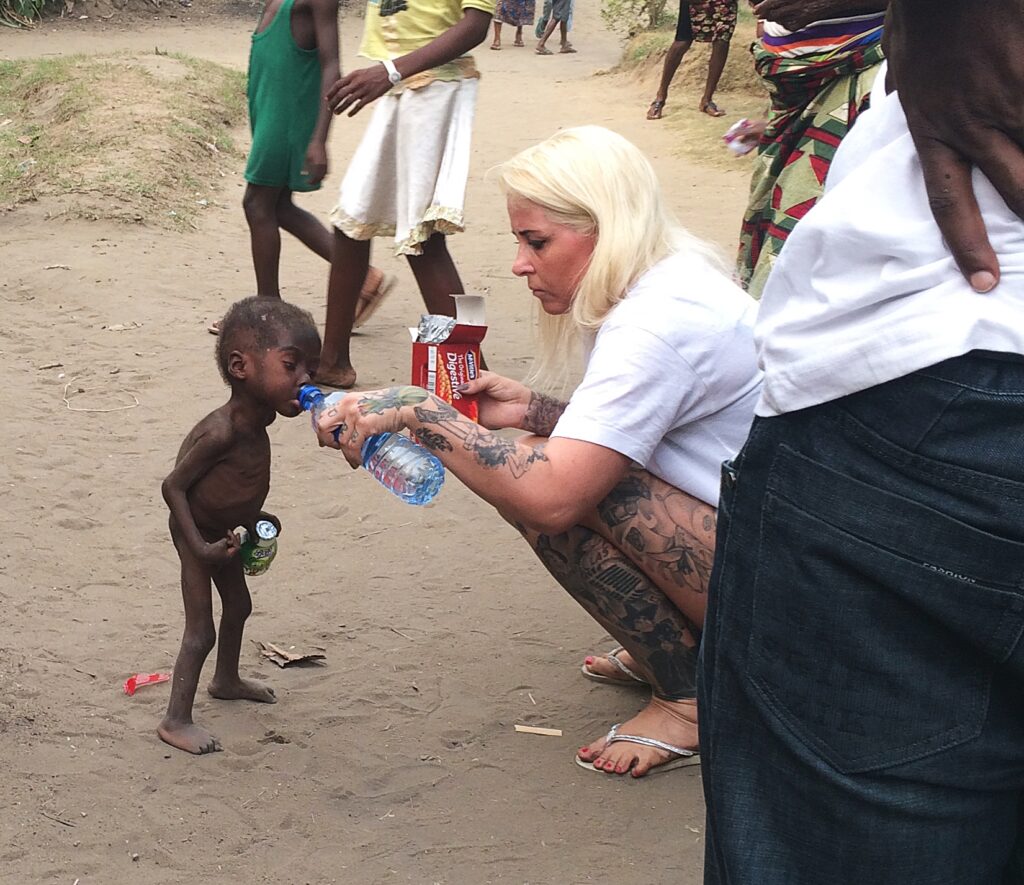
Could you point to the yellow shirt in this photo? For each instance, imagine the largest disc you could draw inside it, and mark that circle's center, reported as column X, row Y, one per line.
column 397, row 27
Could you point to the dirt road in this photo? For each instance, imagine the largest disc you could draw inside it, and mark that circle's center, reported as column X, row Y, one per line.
column 397, row 761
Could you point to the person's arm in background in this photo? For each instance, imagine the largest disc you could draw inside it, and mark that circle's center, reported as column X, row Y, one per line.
column 357, row 89
column 325, row 25
column 959, row 68
column 796, row 14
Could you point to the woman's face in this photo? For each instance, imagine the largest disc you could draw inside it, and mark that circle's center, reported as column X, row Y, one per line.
column 551, row 256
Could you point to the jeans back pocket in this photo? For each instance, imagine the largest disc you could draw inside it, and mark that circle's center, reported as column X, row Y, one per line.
column 877, row 620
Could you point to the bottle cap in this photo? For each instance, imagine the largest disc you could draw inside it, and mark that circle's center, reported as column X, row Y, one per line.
column 309, row 396
column 266, row 530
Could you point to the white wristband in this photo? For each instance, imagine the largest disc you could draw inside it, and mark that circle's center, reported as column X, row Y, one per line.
column 393, row 74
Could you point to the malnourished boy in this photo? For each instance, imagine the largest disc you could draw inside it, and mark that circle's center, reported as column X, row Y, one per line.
column 266, row 351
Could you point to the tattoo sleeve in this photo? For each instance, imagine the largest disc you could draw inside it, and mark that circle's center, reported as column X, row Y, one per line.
column 489, row 449
column 542, row 414
column 392, row 398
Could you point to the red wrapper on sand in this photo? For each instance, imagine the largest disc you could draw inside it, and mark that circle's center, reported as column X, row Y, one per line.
column 141, row 679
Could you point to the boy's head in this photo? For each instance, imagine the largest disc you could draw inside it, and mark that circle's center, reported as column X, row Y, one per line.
column 270, row 346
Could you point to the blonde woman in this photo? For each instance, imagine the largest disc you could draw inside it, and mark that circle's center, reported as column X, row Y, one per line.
column 615, row 489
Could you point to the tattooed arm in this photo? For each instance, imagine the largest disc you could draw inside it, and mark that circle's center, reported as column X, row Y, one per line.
column 547, row 486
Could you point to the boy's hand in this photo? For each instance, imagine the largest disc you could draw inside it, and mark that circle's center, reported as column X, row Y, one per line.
column 220, row 553
column 357, row 89
column 315, row 166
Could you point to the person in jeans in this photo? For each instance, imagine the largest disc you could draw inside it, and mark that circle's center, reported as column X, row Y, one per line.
column 862, row 664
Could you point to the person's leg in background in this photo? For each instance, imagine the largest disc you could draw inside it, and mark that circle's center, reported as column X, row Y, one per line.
column 861, row 665
column 436, row 275
column 714, row 21
column 673, row 58
column 716, row 64
column 349, row 264
column 260, row 204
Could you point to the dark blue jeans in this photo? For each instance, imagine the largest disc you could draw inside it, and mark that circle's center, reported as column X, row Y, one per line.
column 862, row 675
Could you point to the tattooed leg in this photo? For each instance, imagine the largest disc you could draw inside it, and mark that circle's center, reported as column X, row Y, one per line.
column 661, row 640
column 668, row 534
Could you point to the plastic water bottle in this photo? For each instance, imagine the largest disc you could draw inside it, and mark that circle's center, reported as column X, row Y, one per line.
column 395, row 461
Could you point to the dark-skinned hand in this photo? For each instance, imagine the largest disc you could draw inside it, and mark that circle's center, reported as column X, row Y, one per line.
column 796, row 14
column 356, row 90
column 964, row 107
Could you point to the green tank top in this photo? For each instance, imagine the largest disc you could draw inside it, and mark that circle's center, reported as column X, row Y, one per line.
column 284, row 103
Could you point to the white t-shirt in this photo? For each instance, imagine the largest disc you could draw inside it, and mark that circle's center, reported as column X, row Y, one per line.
column 671, row 381
column 865, row 290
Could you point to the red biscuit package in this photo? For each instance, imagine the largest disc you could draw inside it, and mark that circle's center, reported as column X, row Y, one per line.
column 446, row 352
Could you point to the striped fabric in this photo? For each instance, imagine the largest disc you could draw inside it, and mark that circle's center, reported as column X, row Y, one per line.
column 823, row 37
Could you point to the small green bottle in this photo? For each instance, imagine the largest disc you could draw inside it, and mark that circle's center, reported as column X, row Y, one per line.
column 257, row 553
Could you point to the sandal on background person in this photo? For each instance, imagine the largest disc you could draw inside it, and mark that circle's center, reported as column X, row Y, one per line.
column 654, row 111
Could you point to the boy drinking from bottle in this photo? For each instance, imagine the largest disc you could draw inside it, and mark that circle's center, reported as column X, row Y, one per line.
column 266, row 351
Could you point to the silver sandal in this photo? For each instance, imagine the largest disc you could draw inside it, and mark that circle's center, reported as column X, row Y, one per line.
column 683, row 758
column 613, row 657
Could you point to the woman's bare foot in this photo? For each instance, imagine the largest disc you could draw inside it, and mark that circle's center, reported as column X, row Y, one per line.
column 674, row 722
column 242, row 690
column 342, row 378
column 604, row 666
column 188, row 736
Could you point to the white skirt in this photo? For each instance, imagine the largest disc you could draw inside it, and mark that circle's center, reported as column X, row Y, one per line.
column 407, row 178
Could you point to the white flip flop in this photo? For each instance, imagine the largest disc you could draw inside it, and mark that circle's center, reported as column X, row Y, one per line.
column 684, row 758
column 613, row 657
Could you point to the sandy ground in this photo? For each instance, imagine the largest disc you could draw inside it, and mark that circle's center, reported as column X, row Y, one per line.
column 397, row 761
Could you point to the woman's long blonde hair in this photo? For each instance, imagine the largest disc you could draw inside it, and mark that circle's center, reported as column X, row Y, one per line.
column 596, row 182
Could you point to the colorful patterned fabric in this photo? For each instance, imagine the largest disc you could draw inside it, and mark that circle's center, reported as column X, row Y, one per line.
column 815, row 100
column 713, row 20
column 848, row 33
column 515, row 12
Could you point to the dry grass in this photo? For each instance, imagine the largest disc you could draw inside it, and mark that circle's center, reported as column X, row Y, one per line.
column 136, row 138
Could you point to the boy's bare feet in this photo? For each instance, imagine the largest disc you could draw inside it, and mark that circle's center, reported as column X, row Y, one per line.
column 188, row 736
column 242, row 690
column 343, row 378
column 674, row 722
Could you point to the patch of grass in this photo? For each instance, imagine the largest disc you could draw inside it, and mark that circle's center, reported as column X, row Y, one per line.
column 739, row 93
column 133, row 137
